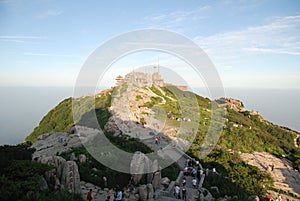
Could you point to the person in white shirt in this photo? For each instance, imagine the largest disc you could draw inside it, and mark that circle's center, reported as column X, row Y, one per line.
column 194, row 182
column 176, row 191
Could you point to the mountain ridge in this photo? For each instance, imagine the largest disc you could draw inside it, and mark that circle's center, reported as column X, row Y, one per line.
column 244, row 131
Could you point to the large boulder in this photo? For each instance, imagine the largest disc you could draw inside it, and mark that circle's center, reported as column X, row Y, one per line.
column 140, row 164
column 154, row 168
column 143, row 193
column 165, row 181
column 150, row 192
column 72, row 157
column 82, row 158
column 57, row 161
column 64, row 175
column 156, row 180
column 71, row 178
column 44, row 185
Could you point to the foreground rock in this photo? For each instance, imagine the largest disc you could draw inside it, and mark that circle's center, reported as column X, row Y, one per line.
column 64, row 175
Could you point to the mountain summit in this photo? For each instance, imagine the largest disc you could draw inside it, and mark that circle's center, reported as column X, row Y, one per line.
column 142, row 106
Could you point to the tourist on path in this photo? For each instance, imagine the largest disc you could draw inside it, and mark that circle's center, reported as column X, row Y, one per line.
column 89, row 195
column 176, row 191
column 183, row 181
column 269, row 197
column 184, row 193
column 194, row 182
column 185, row 170
column 119, row 195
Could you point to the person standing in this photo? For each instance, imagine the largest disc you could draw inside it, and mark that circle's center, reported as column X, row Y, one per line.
column 177, row 191
column 89, row 195
column 194, row 182
column 119, row 195
column 183, row 181
column 184, row 193
column 269, row 197
column 158, row 140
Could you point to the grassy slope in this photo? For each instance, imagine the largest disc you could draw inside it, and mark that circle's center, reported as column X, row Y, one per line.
column 60, row 118
column 253, row 134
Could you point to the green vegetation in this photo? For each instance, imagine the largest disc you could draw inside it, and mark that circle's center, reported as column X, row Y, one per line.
column 138, row 97
column 241, row 132
column 242, row 178
column 54, row 196
column 156, row 91
column 154, row 101
column 118, row 91
column 21, row 178
column 256, row 134
column 60, row 118
column 114, row 178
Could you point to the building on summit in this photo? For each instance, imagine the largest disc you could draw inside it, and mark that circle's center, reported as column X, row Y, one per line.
column 141, row 79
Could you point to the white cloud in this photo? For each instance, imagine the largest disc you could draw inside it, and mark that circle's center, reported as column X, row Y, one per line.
column 52, row 55
column 50, row 13
column 175, row 18
column 19, row 39
column 280, row 36
column 275, row 51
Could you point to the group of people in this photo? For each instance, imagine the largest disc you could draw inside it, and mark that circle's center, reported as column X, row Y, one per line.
column 171, row 117
column 183, row 194
column 118, row 195
column 192, row 168
column 157, row 139
column 270, row 198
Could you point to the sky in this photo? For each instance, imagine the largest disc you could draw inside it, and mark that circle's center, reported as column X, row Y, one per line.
column 253, row 44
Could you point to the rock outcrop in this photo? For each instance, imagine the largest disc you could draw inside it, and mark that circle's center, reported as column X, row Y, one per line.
column 70, row 179
column 140, row 165
column 285, row 176
column 156, row 180
column 51, row 144
column 64, row 175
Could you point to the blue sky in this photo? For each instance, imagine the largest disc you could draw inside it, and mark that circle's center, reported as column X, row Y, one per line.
column 251, row 43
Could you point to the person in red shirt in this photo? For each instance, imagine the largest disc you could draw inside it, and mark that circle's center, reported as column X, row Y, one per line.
column 184, row 193
column 188, row 172
column 89, row 195
column 269, row 197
